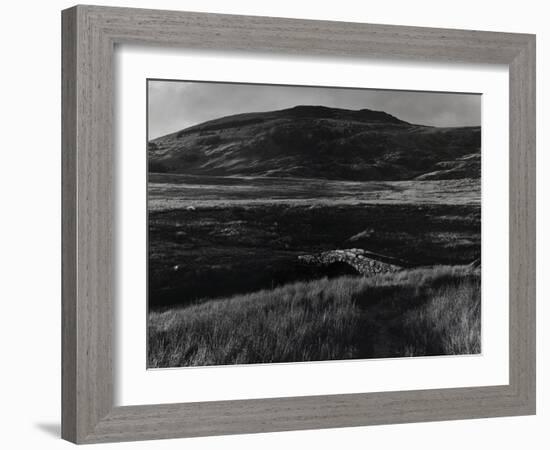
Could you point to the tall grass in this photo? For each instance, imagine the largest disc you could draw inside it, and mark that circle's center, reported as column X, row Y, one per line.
column 417, row 312
column 449, row 323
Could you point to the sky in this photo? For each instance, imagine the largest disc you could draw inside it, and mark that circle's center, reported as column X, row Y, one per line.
column 175, row 105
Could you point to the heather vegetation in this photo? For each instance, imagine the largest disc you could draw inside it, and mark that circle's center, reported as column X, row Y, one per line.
column 219, row 252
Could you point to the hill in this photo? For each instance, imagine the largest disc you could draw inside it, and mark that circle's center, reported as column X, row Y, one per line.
column 319, row 142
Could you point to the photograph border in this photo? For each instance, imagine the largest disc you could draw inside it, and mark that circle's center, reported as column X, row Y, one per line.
column 89, row 37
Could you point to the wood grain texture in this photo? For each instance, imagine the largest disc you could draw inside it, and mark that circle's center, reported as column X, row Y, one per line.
column 523, row 224
column 89, row 36
column 68, row 224
column 87, row 264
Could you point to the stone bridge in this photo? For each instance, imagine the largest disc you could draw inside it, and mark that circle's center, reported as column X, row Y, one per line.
column 362, row 261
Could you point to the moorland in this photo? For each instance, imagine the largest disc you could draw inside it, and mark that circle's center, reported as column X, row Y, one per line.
column 235, row 203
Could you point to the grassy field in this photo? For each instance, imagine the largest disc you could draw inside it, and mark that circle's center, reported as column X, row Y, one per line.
column 425, row 311
column 226, row 285
column 176, row 191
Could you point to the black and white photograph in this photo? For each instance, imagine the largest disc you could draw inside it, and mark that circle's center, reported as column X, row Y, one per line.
column 275, row 225
column 294, row 224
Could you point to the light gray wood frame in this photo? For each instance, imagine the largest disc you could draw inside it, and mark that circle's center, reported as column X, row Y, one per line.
column 89, row 36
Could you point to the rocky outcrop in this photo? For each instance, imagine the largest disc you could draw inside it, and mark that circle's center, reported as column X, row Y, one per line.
column 364, row 262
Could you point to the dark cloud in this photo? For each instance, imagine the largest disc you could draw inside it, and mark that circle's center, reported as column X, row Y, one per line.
column 174, row 105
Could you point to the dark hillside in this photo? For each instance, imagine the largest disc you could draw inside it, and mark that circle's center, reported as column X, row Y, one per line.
column 319, row 142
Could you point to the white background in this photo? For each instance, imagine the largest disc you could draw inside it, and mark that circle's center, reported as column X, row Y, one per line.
column 30, row 229
column 134, row 385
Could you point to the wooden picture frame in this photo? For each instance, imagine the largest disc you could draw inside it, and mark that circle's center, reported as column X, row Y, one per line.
column 89, row 37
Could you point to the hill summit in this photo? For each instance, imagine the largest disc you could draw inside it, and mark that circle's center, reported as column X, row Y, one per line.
column 319, row 142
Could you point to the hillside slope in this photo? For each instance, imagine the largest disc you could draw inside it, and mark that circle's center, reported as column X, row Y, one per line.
column 319, row 142
column 421, row 312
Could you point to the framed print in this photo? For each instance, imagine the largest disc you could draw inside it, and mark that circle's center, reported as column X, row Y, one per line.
column 268, row 222
column 317, row 226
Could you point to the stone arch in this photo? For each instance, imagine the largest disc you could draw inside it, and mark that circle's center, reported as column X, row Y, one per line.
column 340, row 268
